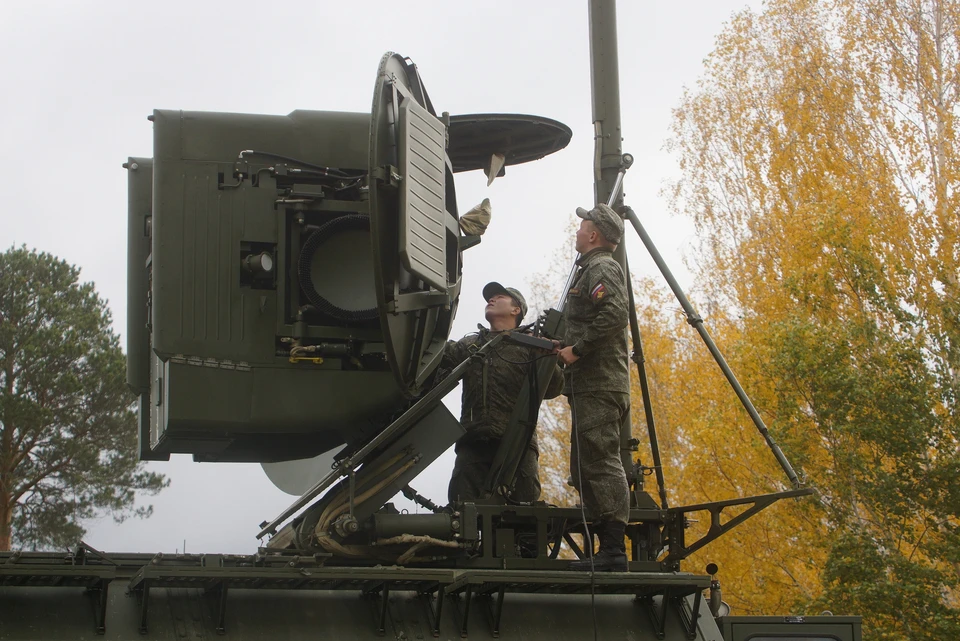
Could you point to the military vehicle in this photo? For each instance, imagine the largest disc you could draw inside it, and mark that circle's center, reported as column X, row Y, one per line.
column 292, row 281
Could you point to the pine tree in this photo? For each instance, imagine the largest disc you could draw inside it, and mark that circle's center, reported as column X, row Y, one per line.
column 68, row 444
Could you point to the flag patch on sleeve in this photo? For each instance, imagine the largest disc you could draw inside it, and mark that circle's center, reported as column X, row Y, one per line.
column 598, row 292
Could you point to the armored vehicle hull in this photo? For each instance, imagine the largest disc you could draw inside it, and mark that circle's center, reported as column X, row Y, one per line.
column 90, row 595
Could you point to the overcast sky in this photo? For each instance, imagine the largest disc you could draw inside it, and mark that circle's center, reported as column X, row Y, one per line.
column 80, row 78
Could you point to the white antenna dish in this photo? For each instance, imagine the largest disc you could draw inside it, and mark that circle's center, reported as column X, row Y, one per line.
column 296, row 477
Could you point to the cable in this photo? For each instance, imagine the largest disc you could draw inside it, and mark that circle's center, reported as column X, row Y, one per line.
column 342, row 498
column 350, row 186
column 583, row 512
column 330, row 171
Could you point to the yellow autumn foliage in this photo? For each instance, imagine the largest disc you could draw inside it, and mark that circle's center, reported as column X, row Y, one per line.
column 819, row 163
column 818, row 158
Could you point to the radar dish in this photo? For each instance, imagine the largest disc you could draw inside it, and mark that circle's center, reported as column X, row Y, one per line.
column 296, row 477
column 413, row 224
column 520, row 138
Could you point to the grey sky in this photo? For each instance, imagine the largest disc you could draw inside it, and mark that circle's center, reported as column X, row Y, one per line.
column 79, row 79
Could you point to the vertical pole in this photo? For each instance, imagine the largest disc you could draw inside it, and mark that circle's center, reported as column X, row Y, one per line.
column 605, row 90
column 608, row 138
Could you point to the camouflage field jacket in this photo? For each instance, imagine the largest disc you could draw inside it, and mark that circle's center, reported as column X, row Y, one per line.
column 596, row 316
column 491, row 386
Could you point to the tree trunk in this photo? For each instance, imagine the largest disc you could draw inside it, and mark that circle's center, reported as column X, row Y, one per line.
column 6, row 520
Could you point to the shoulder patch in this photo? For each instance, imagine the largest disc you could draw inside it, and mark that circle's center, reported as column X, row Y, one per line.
column 598, row 292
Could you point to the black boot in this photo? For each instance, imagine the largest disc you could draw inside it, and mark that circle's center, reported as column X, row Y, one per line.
column 612, row 556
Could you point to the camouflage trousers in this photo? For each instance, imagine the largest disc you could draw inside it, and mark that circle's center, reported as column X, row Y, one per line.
column 473, row 464
column 595, row 465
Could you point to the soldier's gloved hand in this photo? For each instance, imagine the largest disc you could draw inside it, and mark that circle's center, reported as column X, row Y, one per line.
column 626, row 211
column 475, row 221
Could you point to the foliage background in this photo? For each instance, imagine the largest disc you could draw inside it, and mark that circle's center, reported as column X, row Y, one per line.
column 68, row 428
column 819, row 164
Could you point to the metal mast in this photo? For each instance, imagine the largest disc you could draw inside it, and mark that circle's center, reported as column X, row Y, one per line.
column 608, row 162
column 608, row 137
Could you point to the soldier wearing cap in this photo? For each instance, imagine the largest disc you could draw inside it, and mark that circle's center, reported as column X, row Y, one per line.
column 490, row 391
column 597, row 383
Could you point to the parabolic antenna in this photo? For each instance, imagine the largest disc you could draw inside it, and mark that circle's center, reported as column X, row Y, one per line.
column 520, row 138
column 296, row 477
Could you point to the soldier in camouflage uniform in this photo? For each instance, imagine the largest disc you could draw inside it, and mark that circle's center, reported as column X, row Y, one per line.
column 490, row 391
column 597, row 383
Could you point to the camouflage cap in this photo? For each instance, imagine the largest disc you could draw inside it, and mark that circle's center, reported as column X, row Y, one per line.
column 492, row 289
column 608, row 222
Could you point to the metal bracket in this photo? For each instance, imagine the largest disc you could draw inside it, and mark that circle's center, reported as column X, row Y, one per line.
column 143, row 598
column 83, row 549
column 388, row 175
column 658, row 616
column 434, row 614
column 384, row 608
column 553, row 545
column 100, row 607
column 417, row 300
column 573, row 546
column 679, row 551
column 384, row 590
column 466, row 242
column 689, row 619
column 222, row 608
column 464, row 618
column 496, row 612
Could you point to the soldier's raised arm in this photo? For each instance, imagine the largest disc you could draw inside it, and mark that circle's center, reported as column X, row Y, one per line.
column 454, row 353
